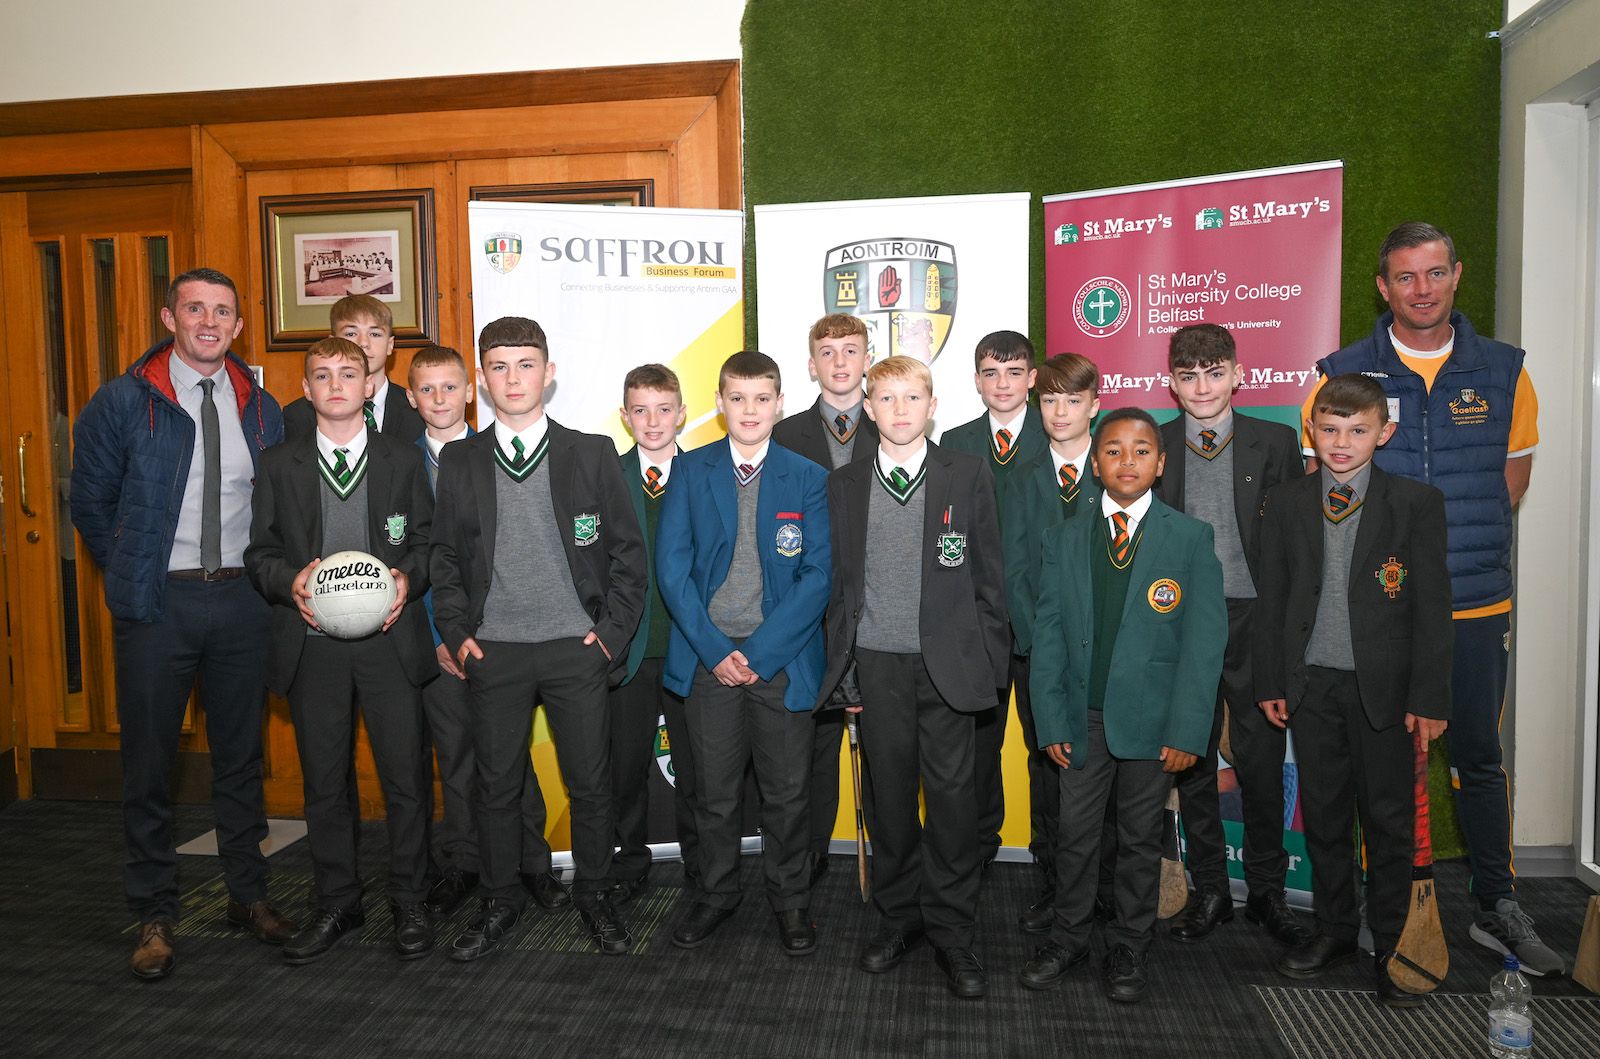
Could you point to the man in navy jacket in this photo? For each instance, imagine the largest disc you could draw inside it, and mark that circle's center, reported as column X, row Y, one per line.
column 164, row 466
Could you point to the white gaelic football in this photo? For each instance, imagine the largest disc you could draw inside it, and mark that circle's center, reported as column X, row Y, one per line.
column 351, row 593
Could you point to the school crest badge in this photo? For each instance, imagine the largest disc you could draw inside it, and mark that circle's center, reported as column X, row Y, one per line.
column 952, row 549
column 790, row 540
column 394, row 528
column 1164, row 595
column 503, row 250
column 903, row 289
column 1391, row 575
column 585, row 529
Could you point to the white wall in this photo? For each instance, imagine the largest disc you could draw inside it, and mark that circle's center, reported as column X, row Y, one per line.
column 1545, row 302
column 75, row 48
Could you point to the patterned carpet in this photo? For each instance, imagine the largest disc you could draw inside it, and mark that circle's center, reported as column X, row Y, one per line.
column 65, row 989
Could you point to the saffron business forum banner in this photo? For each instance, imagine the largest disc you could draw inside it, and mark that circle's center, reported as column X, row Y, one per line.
column 929, row 277
column 1258, row 253
column 613, row 288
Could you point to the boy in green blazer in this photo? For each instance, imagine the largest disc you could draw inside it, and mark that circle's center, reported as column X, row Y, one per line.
column 1051, row 487
column 1128, row 641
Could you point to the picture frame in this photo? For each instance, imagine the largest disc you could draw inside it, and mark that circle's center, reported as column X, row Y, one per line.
column 640, row 192
column 319, row 248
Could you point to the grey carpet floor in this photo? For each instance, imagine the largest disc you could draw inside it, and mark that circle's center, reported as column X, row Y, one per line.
column 65, row 989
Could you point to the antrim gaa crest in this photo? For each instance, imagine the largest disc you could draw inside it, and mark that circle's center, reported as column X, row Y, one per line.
column 504, row 250
column 903, row 289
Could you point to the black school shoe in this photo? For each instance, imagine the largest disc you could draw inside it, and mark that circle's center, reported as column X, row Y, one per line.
column 797, row 932
column 546, row 890
column 701, row 922
column 413, row 931
column 1389, row 994
column 496, row 919
column 446, row 895
column 887, row 948
column 318, row 936
column 1127, row 974
column 1207, row 910
column 1049, row 965
column 1040, row 916
column 1316, row 956
column 606, row 928
column 1272, row 911
column 964, row 972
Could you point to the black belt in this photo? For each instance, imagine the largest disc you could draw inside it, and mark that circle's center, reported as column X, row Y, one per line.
column 226, row 573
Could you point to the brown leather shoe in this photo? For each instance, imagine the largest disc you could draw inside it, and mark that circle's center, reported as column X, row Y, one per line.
column 152, row 957
column 262, row 920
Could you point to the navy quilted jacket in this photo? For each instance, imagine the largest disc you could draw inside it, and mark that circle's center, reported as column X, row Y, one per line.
column 131, row 449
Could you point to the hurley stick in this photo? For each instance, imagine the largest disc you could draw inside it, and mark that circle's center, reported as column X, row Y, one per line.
column 1421, row 959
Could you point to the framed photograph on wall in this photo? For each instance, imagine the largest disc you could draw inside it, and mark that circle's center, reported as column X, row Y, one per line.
column 319, row 248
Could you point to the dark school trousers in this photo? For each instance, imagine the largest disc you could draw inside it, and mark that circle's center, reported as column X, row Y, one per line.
column 732, row 729
column 217, row 631
column 1483, row 803
column 1348, row 766
column 924, row 875
column 569, row 677
column 333, row 679
column 825, row 747
column 636, row 711
column 989, row 736
column 1258, row 751
column 1140, row 789
column 447, row 709
column 1044, row 780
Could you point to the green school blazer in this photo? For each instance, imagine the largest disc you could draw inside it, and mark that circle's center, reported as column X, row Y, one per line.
column 1162, row 689
column 1032, row 505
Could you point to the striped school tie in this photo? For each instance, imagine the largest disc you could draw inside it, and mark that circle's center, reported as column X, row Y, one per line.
column 341, row 467
column 1342, row 503
column 366, row 410
column 1121, row 542
column 1208, row 441
column 1002, row 443
column 841, row 425
column 652, row 483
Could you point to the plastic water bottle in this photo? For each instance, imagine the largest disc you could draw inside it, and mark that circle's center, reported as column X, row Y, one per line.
column 1510, row 1019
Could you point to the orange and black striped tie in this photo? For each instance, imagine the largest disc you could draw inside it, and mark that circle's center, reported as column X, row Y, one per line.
column 1002, row 443
column 652, row 483
column 1069, row 479
column 841, row 425
column 1121, row 542
column 1341, row 502
column 1208, row 441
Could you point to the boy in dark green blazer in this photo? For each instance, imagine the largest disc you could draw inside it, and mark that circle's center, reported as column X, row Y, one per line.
column 653, row 409
column 1051, row 487
column 1006, row 436
column 1127, row 648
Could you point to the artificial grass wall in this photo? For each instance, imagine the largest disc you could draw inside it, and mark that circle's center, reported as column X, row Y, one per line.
column 850, row 99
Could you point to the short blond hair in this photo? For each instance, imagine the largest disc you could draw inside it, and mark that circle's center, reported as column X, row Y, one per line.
column 335, row 348
column 899, row 368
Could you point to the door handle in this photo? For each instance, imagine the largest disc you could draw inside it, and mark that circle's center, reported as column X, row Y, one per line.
column 22, row 473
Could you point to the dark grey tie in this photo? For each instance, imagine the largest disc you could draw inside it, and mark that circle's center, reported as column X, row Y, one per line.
column 211, row 490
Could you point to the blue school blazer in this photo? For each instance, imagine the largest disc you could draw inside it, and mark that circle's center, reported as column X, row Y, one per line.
column 694, row 549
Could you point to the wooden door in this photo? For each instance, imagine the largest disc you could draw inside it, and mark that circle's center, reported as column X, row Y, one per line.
column 85, row 274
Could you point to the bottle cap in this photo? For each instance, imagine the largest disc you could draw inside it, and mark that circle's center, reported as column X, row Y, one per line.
column 1510, row 963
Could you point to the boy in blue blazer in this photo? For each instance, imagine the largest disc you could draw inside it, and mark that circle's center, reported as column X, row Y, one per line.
column 743, row 565
column 1128, row 641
